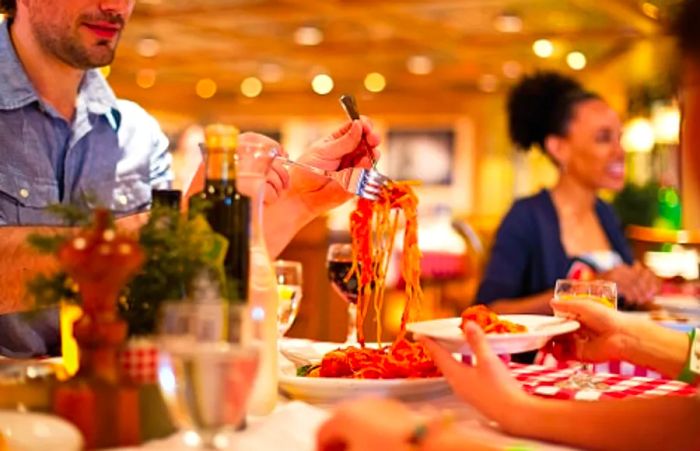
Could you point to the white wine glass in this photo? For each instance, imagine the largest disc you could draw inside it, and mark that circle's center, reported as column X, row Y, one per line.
column 600, row 291
column 289, row 277
column 205, row 373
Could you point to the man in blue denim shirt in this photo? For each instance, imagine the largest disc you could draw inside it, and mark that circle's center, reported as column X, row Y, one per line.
column 64, row 137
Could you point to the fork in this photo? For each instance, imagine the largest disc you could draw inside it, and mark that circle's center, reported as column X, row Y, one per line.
column 366, row 183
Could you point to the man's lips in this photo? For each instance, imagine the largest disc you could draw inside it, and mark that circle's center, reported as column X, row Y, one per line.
column 104, row 30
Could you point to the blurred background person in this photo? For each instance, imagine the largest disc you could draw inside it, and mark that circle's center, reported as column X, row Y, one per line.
column 566, row 231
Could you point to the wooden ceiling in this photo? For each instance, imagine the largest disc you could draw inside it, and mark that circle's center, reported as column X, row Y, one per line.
column 229, row 40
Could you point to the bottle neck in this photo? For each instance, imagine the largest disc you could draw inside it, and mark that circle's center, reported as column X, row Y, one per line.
column 221, row 164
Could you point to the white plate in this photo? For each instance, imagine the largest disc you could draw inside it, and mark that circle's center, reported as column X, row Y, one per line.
column 540, row 329
column 40, row 432
column 682, row 304
column 329, row 389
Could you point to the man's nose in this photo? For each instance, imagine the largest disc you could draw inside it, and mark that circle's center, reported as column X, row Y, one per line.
column 121, row 7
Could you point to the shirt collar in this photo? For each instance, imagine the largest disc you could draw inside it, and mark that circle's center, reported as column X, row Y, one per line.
column 18, row 91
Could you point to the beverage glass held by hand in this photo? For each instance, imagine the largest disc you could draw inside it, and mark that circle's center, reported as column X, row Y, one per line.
column 339, row 262
column 600, row 291
column 205, row 372
column 289, row 288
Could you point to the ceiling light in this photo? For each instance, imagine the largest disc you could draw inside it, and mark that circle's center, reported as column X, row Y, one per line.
column 271, row 72
column 638, row 136
column 488, row 83
column 146, row 78
column 512, row 69
column 375, row 82
column 543, row 48
column 251, row 87
column 667, row 123
column 322, row 84
column 206, row 88
column 308, row 35
column 650, row 10
column 419, row 65
column 148, row 47
column 576, row 60
column 508, row 23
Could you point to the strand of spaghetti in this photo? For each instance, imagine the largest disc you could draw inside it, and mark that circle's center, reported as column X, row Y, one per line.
column 385, row 270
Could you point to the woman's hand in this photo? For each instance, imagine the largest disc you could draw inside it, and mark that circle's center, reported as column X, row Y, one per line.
column 602, row 336
column 319, row 193
column 368, row 424
column 636, row 283
column 487, row 385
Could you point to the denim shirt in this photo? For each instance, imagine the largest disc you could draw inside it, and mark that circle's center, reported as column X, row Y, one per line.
column 110, row 155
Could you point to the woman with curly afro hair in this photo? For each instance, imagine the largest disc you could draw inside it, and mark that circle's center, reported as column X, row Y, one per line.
column 565, row 231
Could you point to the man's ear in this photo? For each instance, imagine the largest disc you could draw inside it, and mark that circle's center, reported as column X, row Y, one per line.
column 557, row 149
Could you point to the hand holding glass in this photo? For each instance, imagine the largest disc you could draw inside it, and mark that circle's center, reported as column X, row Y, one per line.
column 601, row 291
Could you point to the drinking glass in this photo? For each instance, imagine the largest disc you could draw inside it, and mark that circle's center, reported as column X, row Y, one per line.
column 339, row 263
column 205, row 373
column 601, row 291
column 289, row 282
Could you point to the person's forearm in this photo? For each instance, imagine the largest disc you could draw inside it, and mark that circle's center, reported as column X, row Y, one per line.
column 537, row 303
column 19, row 263
column 651, row 345
column 282, row 221
column 639, row 424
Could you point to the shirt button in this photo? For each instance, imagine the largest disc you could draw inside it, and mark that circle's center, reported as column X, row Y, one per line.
column 24, row 193
column 122, row 199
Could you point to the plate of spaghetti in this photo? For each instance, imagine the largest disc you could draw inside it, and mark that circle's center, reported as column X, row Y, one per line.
column 507, row 334
column 399, row 370
column 402, row 368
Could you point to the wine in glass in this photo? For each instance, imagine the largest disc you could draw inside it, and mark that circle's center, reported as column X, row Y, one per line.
column 600, row 291
column 205, row 374
column 289, row 281
column 339, row 263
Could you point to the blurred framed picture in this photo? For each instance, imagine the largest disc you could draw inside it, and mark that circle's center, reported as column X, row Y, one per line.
column 421, row 154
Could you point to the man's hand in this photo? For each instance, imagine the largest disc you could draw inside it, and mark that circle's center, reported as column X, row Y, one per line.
column 636, row 283
column 320, row 194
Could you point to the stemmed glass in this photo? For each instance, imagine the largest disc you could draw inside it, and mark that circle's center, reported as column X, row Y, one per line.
column 601, row 291
column 339, row 263
column 289, row 283
column 205, row 373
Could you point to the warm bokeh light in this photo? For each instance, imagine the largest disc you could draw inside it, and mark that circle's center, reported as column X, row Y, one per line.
column 638, row 136
column 105, row 71
column 576, row 60
column 2, row 18
column 508, row 23
column 666, row 121
column 271, row 72
column 543, row 48
column 146, row 78
column 308, row 36
column 488, row 83
column 650, row 10
column 148, row 47
column 251, row 87
column 206, row 88
column 419, row 65
column 322, row 84
column 375, row 82
column 512, row 69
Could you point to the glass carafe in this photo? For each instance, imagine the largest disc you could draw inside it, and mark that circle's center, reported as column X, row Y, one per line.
column 254, row 160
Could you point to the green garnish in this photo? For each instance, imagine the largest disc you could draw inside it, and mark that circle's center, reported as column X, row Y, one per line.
column 304, row 371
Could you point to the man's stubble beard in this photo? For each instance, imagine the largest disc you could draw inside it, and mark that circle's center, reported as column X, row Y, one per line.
column 67, row 46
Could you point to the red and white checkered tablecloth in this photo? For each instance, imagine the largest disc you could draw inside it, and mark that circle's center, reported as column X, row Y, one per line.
column 541, row 380
column 139, row 361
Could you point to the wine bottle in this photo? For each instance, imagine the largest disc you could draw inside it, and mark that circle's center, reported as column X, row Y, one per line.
column 226, row 210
